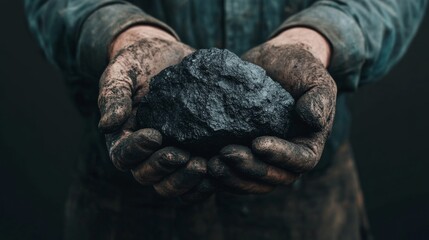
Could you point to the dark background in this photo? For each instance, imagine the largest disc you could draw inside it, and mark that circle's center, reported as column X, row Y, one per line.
column 40, row 131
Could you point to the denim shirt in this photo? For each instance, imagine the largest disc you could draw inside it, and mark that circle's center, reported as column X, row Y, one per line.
column 368, row 37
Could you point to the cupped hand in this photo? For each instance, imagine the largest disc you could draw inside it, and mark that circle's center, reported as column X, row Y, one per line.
column 297, row 59
column 137, row 55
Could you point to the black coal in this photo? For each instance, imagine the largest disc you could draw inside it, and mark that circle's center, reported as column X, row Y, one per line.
column 213, row 98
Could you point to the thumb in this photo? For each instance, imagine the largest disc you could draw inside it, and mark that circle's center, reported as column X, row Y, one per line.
column 115, row 98
column 315, row 107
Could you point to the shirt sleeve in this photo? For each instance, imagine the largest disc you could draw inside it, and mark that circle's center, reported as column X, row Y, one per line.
column 368, row 37
column 75, row 34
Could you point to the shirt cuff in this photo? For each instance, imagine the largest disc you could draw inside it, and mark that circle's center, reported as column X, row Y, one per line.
column 101, row 28
column 344, row 35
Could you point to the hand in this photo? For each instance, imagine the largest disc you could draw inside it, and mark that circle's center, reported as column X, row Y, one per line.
column 137, row 55
column 296, row 59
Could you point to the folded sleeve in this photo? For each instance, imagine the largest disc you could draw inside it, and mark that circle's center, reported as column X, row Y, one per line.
column 75, row 34
column 367, row 37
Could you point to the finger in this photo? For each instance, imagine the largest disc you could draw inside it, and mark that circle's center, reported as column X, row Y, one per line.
column 184, row 179
column 115, row 94
column 315, row 106
column 242, row 160
column 160, row 164
column 231, row 182
column 298, row 156
column 133, row 147
column 200, row 192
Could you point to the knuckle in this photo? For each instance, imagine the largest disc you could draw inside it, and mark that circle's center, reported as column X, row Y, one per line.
column 197, row 166
column 238, row 155
column 243, row 153
column 167, row 156
column 151, row 135
column 173, row 156
column 167, row 153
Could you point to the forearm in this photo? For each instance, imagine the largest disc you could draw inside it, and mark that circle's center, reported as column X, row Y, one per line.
column 76, row 35
column 367, row 37
column 57, row 24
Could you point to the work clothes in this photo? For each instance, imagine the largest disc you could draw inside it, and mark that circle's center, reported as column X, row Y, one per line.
column 367, row 38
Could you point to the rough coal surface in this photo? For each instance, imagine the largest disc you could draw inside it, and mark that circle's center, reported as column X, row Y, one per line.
column 213, row 98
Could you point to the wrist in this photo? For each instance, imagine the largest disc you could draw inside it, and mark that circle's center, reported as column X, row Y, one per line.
column 137, row 33
column 315, row 42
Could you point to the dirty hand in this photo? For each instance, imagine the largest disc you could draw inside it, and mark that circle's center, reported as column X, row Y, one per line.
column 297, row 59
column 136, row 55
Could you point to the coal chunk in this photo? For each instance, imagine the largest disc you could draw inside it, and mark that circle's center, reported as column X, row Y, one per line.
column 213, row 98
